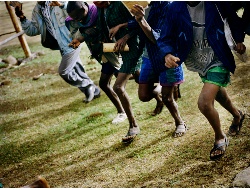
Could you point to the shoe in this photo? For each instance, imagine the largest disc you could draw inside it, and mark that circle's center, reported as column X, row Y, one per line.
column 89, row 93
column 97, row 92
column 180, row 130
column 132, row 133
column 119, row 118
column 220, row 147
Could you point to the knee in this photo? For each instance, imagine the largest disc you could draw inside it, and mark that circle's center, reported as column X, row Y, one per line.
column 203, row 106
column 144, row 97
column 168, row 100
column 118, row 89
column 62, row 73
column 104, row 86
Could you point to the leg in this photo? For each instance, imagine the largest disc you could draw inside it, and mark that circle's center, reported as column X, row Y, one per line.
column 177, row 93
column 147, row 91
column 71, row 72
column 104, row 84
column 119, row 88
column 206, row 106
column 224, row 100
column 168, row 99
column 169, row 80
column 107, row 73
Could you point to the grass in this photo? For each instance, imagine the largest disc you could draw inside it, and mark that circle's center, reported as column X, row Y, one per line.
column 46, row 130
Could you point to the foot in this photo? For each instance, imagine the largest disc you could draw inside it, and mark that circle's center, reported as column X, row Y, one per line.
column 89, row 93
column 180, row 130
column 234, row 129
column 97, row 92
column 119, row 118
column 158, row 109
column 132, row 133
column 219, row 149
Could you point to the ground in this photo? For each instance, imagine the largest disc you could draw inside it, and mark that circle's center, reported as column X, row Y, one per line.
column 46, row 130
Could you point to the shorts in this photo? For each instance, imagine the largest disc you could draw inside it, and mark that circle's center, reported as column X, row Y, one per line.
column 172, row 77
column 108, row 69
column 219, row 76
column 169, row 77
column 147, row 75
column 131, row 65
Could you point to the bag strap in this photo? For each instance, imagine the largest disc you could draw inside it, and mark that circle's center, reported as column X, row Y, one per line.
column 220, row 14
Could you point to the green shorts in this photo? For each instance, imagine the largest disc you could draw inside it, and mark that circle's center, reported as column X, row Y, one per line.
column 219, row 76
column 131, row 66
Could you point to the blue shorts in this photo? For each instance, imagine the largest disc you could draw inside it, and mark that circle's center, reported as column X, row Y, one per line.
column 169, row 77
column 147, row 75
column 108, row 69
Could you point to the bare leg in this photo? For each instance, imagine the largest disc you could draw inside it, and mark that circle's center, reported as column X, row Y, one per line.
column 224, row 100
column 119, row 88
column 168, row 99
column 104, row 84
column 206, row 106
column 146, row 93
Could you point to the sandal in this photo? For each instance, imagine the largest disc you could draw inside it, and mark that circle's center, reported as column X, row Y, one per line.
column 221, row 147
column 180, row 130
column 132, row 133
column 235, row 129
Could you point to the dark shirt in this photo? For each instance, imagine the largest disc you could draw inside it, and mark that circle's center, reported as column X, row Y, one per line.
column 117, row 14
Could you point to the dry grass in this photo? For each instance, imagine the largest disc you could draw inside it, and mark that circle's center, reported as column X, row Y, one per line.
column 46, row 130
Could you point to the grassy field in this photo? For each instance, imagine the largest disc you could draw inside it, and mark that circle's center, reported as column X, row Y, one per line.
column 47, row 130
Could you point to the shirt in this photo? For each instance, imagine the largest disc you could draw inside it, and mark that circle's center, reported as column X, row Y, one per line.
column 117, row 13
column 201, row 57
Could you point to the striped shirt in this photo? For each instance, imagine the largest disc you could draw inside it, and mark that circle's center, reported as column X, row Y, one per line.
column 47, row 18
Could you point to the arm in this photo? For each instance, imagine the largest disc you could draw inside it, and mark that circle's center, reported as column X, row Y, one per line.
column 75, row 43
column 236, row 26
column 139, row 14
column 120, row 44
column 166, row 42
column 61, row 4
column 114, row 30
column 30, row 27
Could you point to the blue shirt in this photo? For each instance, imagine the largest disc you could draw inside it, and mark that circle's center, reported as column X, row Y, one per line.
column 156, row 17
column 177, row 32
column 37, row 26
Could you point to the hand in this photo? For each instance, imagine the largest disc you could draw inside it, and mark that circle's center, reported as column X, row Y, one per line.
column 120, row 44
column 240, row 48
column 55, row 3
column 19, row 12
column 138, row 12
column 170, row 61
column 113, row 31
column 74, row 43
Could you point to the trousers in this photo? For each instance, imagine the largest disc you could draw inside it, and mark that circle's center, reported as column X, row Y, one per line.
column 72, row 71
